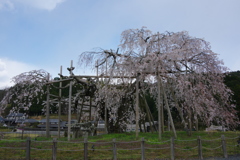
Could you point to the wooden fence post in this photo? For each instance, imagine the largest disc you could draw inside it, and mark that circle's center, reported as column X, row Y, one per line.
column 54, row 149
column 224, row 147
column 85, row 149
column 142, row 149
column 172, row 149
column 114, row 149
column 28, row 148
column 199, row 148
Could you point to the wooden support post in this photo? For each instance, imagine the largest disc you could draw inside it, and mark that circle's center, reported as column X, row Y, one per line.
column 90, row 110
column 105, row 116
column 159, row 109
column 114, row 149
column 54, row 149
column 162, row 113
column 80, row 112
column 172, row 145
column 142, row 149
column 105, row 109
column 97, row 71
column 199, row 148
column 47, row 109
column 168, row 109
column 151, row 122
column 59, row 102
column 190, row 123
column 70, row 102
column 85, row 149
column 28, row 148
column 152, row 119
column 224, row 147
column 196, row 126
column 137, row 105
column 168, row 123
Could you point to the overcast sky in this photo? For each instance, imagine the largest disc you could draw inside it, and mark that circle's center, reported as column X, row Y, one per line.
column 45, row 34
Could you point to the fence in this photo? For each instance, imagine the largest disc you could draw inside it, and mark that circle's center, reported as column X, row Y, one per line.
column 143, row 149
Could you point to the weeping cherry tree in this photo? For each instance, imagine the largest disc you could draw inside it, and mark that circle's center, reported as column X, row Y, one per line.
column 174, row 64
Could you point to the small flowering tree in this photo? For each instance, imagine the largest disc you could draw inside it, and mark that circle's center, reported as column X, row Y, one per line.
column 29, row 87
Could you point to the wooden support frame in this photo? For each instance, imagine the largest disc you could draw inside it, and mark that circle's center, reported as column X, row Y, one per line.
column 80, row 80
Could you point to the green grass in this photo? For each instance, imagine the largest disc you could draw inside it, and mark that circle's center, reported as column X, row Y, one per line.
column 153, row 137
column 185, row 146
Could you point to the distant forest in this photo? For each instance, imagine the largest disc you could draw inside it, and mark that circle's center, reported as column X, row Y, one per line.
column 232, row 80
column 2, row 93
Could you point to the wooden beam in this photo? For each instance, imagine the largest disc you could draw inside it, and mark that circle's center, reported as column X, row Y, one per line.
column 59, row 102
column 103, row 76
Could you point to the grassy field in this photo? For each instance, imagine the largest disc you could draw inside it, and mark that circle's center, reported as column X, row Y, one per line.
column 128, row 146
